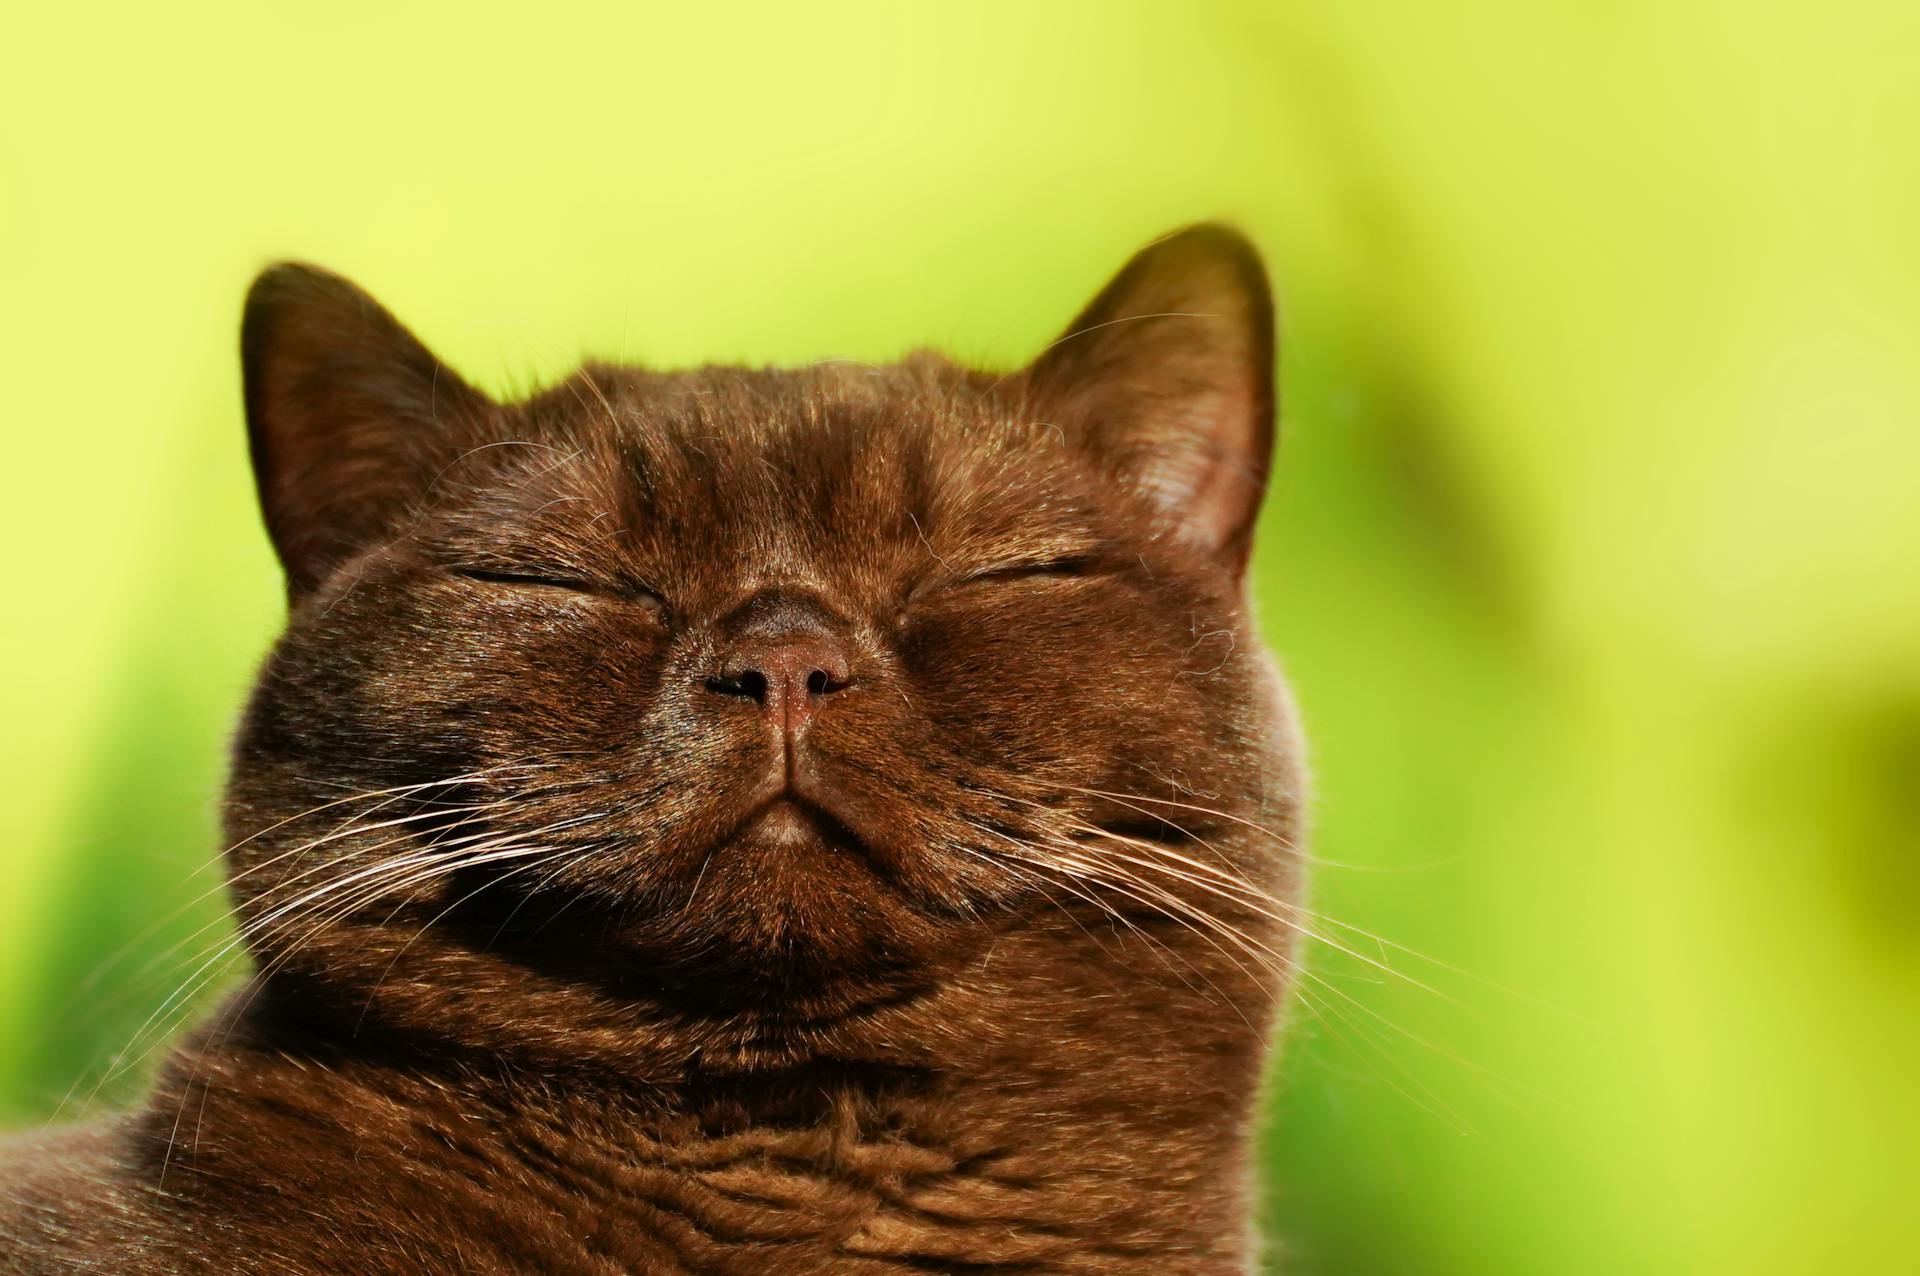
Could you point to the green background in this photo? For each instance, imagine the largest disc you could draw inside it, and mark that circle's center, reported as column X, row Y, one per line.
column 1592, row 558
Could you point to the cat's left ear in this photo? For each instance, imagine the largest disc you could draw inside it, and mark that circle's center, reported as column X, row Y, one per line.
column 1169, row 376
column 349, row 417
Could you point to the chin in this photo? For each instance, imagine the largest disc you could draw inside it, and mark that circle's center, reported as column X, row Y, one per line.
column 795, row 921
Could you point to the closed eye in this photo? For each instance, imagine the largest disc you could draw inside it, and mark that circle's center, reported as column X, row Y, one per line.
column 527, row 580
column 552, row 582
column 1065, row 566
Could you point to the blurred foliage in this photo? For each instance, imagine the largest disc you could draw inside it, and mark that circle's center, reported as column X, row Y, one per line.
column 1592, row 555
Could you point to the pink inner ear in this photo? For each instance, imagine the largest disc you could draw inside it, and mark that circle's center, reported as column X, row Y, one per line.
column 1170, row 372
column 1210, row 467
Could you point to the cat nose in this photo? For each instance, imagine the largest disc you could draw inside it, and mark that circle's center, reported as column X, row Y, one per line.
column 786, row 663
column 788, row 678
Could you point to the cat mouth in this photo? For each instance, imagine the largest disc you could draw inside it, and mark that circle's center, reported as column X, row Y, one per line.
column 793, row 813
column 789, row 820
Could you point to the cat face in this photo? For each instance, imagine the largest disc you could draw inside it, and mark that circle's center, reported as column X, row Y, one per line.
column 734, row 693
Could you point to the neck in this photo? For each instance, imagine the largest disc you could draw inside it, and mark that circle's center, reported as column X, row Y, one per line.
column 1038, row 1107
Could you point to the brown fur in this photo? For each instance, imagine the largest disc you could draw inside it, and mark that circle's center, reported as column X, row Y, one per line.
column 994, row 991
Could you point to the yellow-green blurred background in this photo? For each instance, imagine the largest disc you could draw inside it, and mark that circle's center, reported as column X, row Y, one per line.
column 1593, row 553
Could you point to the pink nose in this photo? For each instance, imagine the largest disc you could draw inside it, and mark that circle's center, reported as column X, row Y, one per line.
column 789, row 675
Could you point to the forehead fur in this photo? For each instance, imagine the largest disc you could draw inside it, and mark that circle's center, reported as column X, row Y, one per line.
column 805, row 464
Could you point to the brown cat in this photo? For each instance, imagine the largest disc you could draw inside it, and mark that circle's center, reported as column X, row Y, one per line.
column 822, row 821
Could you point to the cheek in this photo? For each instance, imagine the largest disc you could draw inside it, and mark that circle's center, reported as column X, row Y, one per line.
column 1029, row 678
column 508, row 676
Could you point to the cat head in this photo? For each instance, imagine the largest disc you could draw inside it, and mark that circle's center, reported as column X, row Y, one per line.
column 731, row 696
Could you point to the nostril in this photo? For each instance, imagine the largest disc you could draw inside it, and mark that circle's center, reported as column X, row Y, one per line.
column 749, row 684
column 787, row 674
column 826, row 682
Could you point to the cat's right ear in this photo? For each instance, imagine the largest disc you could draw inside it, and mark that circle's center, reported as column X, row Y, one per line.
column 1169, row 374
column 349, row 417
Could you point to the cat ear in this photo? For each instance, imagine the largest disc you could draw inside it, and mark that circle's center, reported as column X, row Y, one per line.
column 1169, row 375
column 349, row 417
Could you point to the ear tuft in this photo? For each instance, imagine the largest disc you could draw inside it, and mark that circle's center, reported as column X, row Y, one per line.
column 1169, row 375
column 349, row 416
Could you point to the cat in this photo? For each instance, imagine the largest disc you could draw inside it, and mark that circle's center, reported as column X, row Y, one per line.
column 828, row 820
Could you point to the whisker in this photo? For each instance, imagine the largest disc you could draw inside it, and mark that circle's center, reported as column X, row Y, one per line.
column 1032, row 873
column 1498, row 1081
column 280, row 920
column 1254, row 896
column 443, row 864
column 391, row 795
column 1065, row 857
column 226, row 884
column 547, row 855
